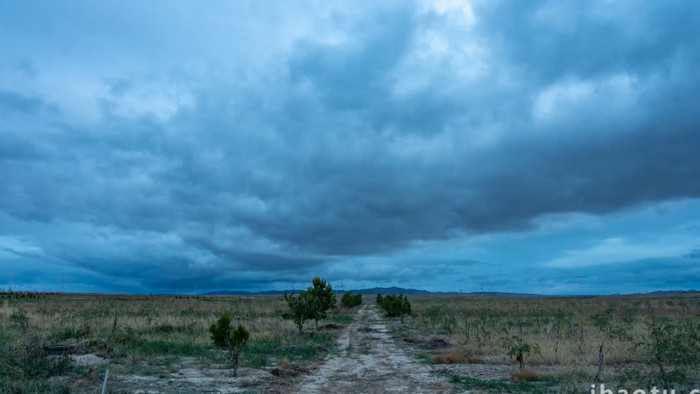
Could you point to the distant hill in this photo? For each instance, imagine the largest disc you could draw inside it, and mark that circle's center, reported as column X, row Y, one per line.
column 374, row 290
column 388, row 290
column 229, row 292
column 401, row 290
column 515, row 295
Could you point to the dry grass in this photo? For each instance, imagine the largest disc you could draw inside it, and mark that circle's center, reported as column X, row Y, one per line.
column 562, row 328
column 453, row 356
column 145, row 335
column 526, row 375
column 561, row 334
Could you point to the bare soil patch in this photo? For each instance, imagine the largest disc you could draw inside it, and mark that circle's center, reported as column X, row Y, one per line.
column 371, row 361
column 89, row 360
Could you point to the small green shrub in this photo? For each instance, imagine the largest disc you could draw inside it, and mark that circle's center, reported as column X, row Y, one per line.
column 395, row 305
column 232, row 339
column 517, row 347
column 323, row 297
column 350, row 300
column 312, row 304
column 301, row 308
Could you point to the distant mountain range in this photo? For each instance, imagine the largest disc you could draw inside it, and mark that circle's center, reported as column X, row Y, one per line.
column 400, row 290
column 379, row 290
column 374, row 290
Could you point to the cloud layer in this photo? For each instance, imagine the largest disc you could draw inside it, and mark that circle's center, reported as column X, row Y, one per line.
column 172, row 146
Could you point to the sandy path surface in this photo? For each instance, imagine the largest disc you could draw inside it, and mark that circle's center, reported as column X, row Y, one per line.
column 372, row 362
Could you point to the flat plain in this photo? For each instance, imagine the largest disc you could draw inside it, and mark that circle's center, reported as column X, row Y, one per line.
column 450, row 343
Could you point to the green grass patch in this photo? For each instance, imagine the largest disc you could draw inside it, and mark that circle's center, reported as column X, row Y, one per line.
column 161, row 348
column 302, row 348
column 47, row 366
column 341, row 318
column 424, row 358
column 191, row 312
column 255, row 360
column 504, row 386
column 32, row 386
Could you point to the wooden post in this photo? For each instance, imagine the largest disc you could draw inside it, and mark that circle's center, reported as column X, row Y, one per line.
column 104, row 384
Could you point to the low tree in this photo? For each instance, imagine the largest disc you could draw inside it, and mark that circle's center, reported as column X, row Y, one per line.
column 301, row 308
column 609, row 330
column 517, row 347
column 350, row 300
column 323, row 299
column 312, row 304
column 234, row 340
column 395, row 305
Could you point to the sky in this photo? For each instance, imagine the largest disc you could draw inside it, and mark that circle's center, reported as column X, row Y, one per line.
column 175, row 146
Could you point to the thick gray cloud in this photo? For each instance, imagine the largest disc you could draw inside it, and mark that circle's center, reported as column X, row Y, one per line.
column 254, row 144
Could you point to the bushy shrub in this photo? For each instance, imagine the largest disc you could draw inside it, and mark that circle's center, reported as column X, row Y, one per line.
column 301, row 308
column 350, row 300
column 395, row 305
column 225, row 336
column 312, row 304
column 517, row 347
column 324, row 298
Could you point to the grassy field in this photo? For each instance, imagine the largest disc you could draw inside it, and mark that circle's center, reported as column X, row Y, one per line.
column 646, row 341
column 474, row 340
column 139, row 335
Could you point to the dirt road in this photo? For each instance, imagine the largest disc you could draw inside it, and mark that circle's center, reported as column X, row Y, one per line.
column 371, row 361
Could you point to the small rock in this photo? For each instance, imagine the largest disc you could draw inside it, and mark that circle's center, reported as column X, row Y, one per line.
column 435, row 344
column 88, row 360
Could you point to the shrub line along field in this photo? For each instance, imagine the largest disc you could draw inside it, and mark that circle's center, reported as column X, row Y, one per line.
column 494, row 344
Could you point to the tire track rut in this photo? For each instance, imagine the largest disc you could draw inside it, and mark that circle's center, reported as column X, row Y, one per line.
column 370, row 361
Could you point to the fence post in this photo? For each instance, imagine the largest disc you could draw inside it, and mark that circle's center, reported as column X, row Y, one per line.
column 104, row 384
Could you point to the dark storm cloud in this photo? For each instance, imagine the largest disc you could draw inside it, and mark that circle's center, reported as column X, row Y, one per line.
column 553, row 39
column 385, row 127
column 355, row 75
column 16, row 102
